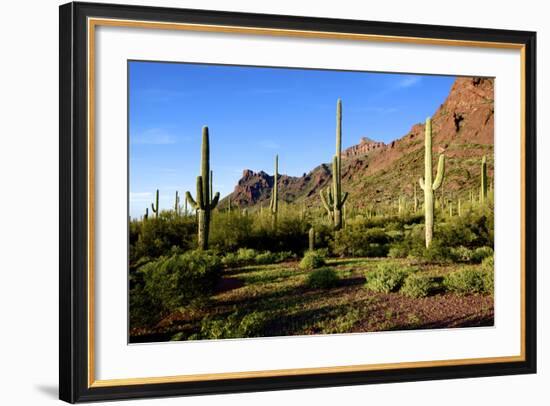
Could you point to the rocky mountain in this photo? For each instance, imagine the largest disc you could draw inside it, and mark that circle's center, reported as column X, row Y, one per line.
column 374, row 172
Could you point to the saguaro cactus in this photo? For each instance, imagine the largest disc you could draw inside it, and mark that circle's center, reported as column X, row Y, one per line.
column 334, row 200
column 155, row 206
column 274, row 202
column 211, row 183
column 205, row 203
column 311, row 235
column 483, row 186
column 427, row 185
column 415, row 199
column 177, row 204
column 146, row 215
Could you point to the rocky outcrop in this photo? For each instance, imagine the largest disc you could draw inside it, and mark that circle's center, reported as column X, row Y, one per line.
column 365, row 146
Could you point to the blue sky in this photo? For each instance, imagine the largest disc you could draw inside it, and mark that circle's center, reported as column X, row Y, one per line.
column 254, row 113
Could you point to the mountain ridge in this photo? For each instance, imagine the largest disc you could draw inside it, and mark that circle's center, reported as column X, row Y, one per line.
column 372, row 171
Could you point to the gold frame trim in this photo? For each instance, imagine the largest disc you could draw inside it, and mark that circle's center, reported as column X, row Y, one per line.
column 94, row 22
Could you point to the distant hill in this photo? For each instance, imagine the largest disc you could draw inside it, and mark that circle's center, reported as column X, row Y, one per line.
column 374, row 172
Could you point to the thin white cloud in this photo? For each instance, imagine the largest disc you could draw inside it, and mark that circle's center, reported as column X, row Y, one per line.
column 408, row 82
column 154, row 136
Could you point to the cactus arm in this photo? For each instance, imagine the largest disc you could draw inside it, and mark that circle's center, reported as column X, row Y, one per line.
column 155, row 206
column 211, row 182
column 200, row 196
column 324, row 201
column 440, row 173
column 215, row 200
column 344, row 198
column 483, row 187
column 191, row 201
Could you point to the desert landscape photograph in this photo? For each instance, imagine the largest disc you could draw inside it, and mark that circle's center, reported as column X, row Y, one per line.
column 269, row 202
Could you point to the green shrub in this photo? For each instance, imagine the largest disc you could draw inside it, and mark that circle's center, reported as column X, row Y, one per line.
column 312, row 260
column 461, row 254
column 419, row 285
column 230, row 260
column 156, row 236
column 360, row 241
column 323, row 278
column 246, row 256
column 488, row 263
column 469, row 281
column 481, row 253
column 174, row 281
column 488, row 266
column 398, row 251
column 387, row 278
column 234, row 325
column 143, row 311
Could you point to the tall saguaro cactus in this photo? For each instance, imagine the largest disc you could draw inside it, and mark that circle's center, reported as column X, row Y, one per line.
column 274, row 202
column 155, row 206
column 483, row 186
column 415, row 197
column 311, row 236
column 334, row 200
column 426, row 183
column 177, row 204
column 205, row 203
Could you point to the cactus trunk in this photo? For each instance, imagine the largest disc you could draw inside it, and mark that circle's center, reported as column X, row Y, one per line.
column 203, row 217
column 205, row 202
column 427, row 184
column 274, row 203
column 311, row 239
column 483, row 186
column 155, row 206
column 334, row 200
column 177, row 204
column 415, row 199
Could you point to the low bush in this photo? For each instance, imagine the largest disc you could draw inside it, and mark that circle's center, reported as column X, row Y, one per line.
column 469, row 281
column 323, row 278
column 359, row 241
column 387, row 278
column 481, row 253
column 171, row 282
column 235, row 325
column 398, row 251
column 248, row 256
column 488, row 266
column 267, row 257
column 461, row 254
column 313, row 259
column 419, row 285
column 155, row 237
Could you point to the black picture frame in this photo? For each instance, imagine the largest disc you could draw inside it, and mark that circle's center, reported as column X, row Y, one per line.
column 73, row 255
